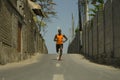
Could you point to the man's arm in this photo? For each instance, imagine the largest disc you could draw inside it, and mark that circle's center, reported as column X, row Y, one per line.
column 55, row 39
column 65, row 38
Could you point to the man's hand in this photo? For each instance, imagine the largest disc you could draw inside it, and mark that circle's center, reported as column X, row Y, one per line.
column 55, row 38
column 65, row 38
column 64, row 41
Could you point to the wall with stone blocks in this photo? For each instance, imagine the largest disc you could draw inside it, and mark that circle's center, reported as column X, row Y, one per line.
column 17, row 33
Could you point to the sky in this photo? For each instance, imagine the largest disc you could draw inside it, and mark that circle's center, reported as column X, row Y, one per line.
column 64, row 9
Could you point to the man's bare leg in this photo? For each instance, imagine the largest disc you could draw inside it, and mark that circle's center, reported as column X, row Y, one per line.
column 60, row 55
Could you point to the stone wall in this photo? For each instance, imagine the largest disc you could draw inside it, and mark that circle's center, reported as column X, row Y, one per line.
column 17, row 33
column 6, row 35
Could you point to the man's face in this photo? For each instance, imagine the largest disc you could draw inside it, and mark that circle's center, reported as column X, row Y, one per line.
column 59, row 31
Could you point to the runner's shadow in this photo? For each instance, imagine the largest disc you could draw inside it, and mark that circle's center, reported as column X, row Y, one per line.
column 57, row 60
column 54, row 59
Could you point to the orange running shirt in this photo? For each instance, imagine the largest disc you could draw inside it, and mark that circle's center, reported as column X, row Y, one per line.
column 59, row 39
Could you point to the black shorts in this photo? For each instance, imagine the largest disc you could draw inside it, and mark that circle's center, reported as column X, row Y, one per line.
column 58, row 46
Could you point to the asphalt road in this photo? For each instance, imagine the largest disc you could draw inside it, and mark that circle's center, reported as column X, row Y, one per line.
column 72, row 67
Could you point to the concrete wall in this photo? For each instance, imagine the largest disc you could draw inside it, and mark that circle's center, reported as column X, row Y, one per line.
column 90, row 32
column 74, row 46
column 83, row 40
column 104, row 37
column 86, row 40
column 116, row 28
column 108, row 29
column 100, row 36
column 95, row 37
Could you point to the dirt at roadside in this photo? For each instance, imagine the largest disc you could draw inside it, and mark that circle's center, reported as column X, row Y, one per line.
column 79, row 59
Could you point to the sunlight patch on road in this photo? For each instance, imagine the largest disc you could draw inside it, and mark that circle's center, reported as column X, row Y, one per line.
column 57, row 64
column 58, row 77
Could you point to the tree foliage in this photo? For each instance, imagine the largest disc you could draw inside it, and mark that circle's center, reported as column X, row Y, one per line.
column 98, row 4
column 47, row 7
column 97, row 1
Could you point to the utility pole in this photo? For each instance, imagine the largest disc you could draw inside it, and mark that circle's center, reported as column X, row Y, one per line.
column 82, row 10
column 79, row 14
column 86, row 11
column 80, row 26
column 73, row 31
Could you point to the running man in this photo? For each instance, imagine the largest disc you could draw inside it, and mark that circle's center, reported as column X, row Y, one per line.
column 60, row 39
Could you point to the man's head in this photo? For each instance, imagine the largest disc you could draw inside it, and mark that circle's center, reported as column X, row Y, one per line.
column 59, row 31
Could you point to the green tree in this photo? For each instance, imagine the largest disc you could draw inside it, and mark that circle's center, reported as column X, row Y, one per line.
column 98, row 4
column 97, row 1
column 49, row 12
column 47, row 8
